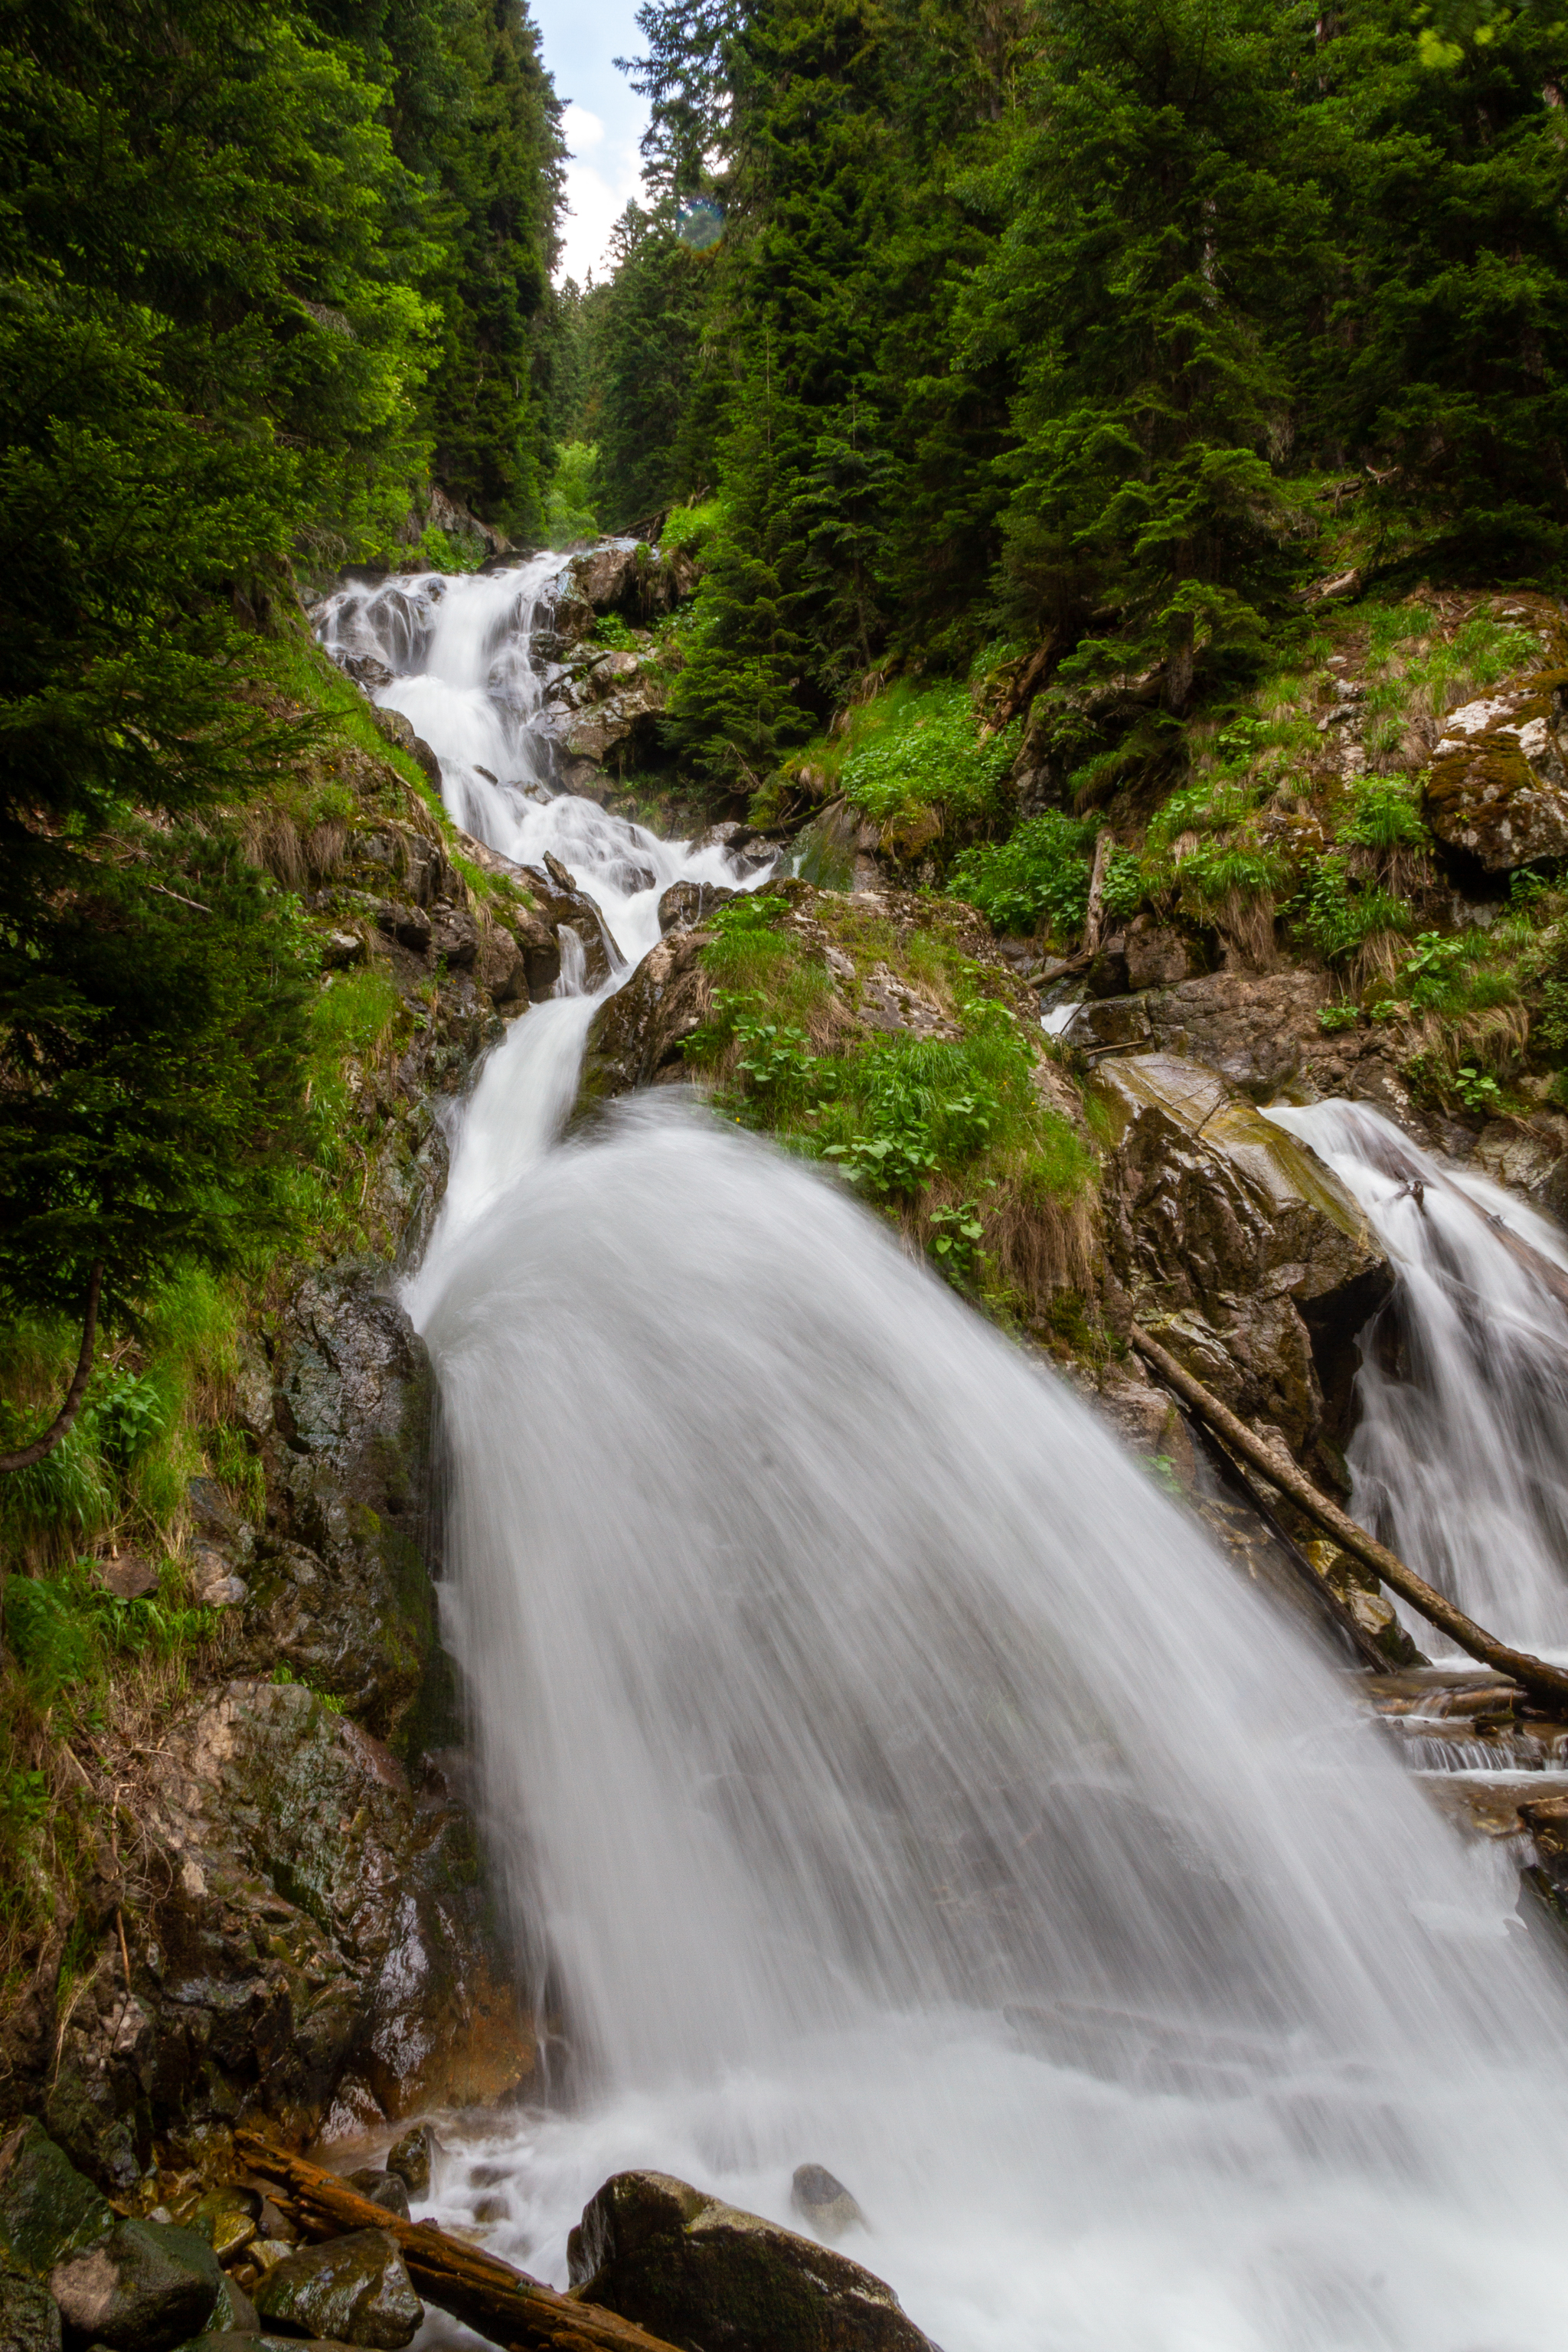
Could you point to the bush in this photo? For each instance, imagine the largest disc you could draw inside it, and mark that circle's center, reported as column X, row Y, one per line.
column 927, row 755
column 1040, row 874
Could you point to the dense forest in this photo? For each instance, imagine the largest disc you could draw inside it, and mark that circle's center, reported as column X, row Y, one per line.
column 1073, row 326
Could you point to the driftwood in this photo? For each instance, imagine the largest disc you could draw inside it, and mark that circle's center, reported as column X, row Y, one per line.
column 1548, row 1684
column 481, row 2290
column 1094, row 916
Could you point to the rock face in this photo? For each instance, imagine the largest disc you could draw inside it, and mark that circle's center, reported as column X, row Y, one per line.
column 329, row 1918
column 565, row 908
column 1237, row 1247
column 1499, row 783
column 704, row 2274
column 355, row 2289
column 47, row 2210
column 344, row 1594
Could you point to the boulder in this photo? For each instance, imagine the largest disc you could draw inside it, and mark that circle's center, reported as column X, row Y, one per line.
column 1239, row 1249
column 400, row 730
column 146, row 2289
column 229, row 2218
column 454, row 936
column 502, row 970
column 1499, row 783
column 351, row 1605
column 638, row 1035
column 685, row 904
column 47, row 2208
column 822, row 2202
column 355, row 2288
column 411, row 2157
column 1257, row 1030
column 626, row 723
column 563, row 905
column 704, row 2274
column 387, row 2189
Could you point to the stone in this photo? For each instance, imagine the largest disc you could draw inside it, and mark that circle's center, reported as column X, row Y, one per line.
column 410, row 2158
column 229, row 2218
column 339, row 950
column 1498, row 786
column 822, row 2202
column 1238, row 1248
column 146, row 2289
column 563, row 905
column 383, row 2189
column 355, row 2288
column 29, row 2317
column 129, row 1577
column 400, row 730
column 638, row 1035
column 47, row 2208
column 704, row 2274
column 501, row 968
column 454, row 936
column 685, row 904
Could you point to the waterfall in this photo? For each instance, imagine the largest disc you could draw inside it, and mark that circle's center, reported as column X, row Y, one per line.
column 1459, row 1457
column 884, row 1775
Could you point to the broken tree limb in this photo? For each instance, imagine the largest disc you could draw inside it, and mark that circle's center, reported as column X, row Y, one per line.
column 479, row 2289
column 1546, row 1684
column 1094, row 916
column 60, row 1426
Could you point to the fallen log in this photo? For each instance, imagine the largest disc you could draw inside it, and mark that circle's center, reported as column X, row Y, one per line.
column 1548, row 1684
column 479, row 2289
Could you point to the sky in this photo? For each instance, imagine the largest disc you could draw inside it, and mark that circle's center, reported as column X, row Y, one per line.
column 604, row 118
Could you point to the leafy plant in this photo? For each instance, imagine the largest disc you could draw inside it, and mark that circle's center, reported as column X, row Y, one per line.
column 613, row 632
column 956, row 1235
column 1040, row 874
column 1477, row 1090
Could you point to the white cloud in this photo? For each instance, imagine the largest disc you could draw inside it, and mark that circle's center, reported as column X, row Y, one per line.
column 597, row 191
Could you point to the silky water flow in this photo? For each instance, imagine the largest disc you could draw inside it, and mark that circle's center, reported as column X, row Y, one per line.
column 1459, row 1457
column 886, row 1776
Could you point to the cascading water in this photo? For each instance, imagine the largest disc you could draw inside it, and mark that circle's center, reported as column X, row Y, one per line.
column 889, row 1778
column 1461, row 1453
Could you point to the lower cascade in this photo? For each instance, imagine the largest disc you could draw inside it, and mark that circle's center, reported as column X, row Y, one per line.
column 888, row 1777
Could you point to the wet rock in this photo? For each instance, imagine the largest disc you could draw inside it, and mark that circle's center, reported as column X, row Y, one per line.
column 383, row 2189
column 47, row 2208
column 353, row 1403
column 355, row 2288
column 399, row 731
column 702, row 2273
column 365, row 671
column 637, row 1038
column 619, row 729
column 822, row 2202
column 342, row 1925
column 563, row 905
column 500, row 970
column 29, row 2317
column 1255, row 1030
column 146, row 2289
column 1499, row 783
column 229, row 2218
column 685, row 904
column 1239, row 1249
column 411, row 2157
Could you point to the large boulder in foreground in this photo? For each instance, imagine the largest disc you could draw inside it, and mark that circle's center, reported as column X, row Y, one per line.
column 1238, row 1248
column 146, row 2288
column 354, row 2289
column 47, row 2209
column 704, row 2274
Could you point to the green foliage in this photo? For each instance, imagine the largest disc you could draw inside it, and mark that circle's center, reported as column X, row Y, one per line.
column 928, row 755
column 569, row 500
column 1340, row 910
column 1039, row 875
column 1387, row 815
column 957, row 1233
column 1478, row 1091
column 66, row 1632
column 611, row 631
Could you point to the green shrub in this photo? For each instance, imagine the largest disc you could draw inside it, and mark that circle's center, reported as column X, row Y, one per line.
column 614, row 633
column 1338, row 912
column 927, row 755
column 569, row 500
column 1040, row 874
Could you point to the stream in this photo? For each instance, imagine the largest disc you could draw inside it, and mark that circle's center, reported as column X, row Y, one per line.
column 887, row 1776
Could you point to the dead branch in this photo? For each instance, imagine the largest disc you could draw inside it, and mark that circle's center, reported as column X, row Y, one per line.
column 60, row 1426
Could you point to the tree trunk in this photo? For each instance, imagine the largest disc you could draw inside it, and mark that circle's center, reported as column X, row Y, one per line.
column 60, row 1426
column 1548, row 1684
column 481, row 2290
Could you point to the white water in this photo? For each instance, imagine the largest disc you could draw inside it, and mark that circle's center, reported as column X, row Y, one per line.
column 888, row 1777
column 1460, row 1453
column 466, row 680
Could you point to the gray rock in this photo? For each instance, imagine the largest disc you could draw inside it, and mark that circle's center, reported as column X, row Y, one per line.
column 685, row 904
column 411, row 2159
column 29, row 2317
column 822, row 2202
column 400, row 730
column 47, row 2209
column 704, row 2274
column 383, row 2189
column 355, row 2288
column 146, row 2289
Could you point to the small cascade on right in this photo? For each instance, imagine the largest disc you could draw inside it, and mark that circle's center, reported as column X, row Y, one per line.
column 1459, row 1459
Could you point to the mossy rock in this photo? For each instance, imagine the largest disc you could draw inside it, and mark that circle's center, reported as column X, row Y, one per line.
column 47, row 2208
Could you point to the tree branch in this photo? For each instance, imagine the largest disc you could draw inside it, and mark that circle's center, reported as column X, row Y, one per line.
column 66, row 1415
